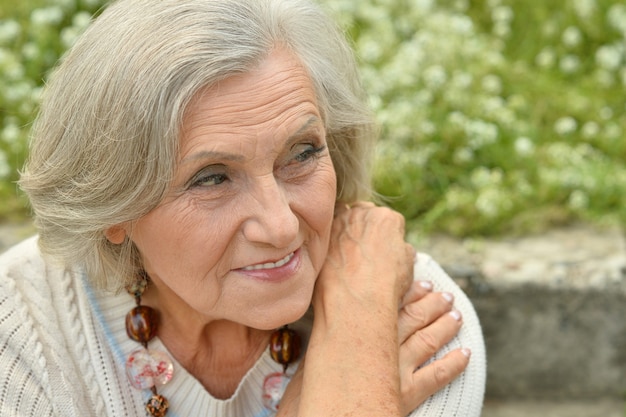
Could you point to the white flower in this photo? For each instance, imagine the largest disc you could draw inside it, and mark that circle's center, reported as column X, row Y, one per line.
column 69, row 35
column 461, row 79
column 81, row 19
column 47, row 16
column 502, row 14
column 480, row 133
column 613, row 130
column 572, row 37
column 584, row 8
column 565, row 125
column 426, row 128
column 423, row 5
column 501, row 29
column 462, row 25
column 578, row 200
column 370, row 49
column 488, row 202
column 545, row 58
column 492, row 84
column 569, row 64
column 435, row 77
column 17, row 91
column 590, row 130
column 482, row 177
column 524, row 146
column 616, row 15
column 30, row 50
column 9, row 30
column 461, row 5
column 606, row 113
column 493, row 105
column 11, row 133
column 10, row 66
column 457, row 118
column 609, row 57
column 463, row 155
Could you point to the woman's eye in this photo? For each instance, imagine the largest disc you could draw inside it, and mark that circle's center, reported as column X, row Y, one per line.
column 309, row 152
column 208, row 180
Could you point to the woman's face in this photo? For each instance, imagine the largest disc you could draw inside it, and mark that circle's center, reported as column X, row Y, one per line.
column 244, row 230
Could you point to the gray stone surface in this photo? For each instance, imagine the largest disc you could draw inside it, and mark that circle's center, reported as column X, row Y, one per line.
column 575, row 408
column 553, row 310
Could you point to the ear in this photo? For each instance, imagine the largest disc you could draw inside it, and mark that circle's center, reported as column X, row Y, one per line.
column 115, row 234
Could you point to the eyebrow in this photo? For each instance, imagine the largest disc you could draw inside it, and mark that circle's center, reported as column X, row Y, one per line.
column 237, row 158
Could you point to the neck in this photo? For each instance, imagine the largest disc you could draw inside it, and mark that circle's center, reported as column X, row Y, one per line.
column 218, row 353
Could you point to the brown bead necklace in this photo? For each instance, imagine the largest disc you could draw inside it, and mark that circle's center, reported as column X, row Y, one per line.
column 146, row 368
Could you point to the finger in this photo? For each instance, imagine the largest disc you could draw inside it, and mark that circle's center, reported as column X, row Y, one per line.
column 423, row 344
column 426, row 381
column 422, row 312
column 417, row 290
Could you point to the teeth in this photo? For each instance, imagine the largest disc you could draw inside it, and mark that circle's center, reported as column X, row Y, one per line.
column 270, row 265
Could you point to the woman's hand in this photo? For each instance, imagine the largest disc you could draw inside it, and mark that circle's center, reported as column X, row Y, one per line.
column 352, row 361
column 368, row 256
column 426, row 322
column 364, row 349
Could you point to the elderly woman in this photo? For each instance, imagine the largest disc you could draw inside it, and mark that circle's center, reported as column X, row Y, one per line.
column 198, row 172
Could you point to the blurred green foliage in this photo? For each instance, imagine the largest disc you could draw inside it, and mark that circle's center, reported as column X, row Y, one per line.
column 497, row 116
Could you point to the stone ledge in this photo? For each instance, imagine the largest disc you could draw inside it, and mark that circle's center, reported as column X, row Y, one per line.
column 552, row 307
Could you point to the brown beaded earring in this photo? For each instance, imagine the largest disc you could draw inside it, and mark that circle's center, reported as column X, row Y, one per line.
column 146, row 368
column 284, row 349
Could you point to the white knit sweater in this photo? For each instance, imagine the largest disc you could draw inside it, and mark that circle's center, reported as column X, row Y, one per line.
column 63, row 347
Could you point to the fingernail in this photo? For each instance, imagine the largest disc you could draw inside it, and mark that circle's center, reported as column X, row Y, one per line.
column 447, row 296
column 426, row 285
column 456, row 314
column 466, row 352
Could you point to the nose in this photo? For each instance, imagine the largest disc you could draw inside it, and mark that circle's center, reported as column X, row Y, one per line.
column 271, row 220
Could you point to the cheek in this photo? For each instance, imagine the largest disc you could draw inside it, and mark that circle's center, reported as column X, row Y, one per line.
column 317, row 202
column 174, row 236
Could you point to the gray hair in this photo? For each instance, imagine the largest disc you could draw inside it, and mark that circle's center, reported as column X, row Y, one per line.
column 104, row 145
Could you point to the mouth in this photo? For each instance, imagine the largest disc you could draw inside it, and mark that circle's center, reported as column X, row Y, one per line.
column 270, row 265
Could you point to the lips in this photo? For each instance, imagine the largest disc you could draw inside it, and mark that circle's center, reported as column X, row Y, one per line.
column 270, row 265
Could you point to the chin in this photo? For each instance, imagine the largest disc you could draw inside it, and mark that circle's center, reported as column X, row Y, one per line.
column 275, row 319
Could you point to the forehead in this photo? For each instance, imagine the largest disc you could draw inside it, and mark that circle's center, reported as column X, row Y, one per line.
column 275, row 91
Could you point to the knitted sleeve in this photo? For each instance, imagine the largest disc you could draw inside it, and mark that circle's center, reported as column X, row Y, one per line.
column 24, row 386
column 464, row 396
column 39, row 376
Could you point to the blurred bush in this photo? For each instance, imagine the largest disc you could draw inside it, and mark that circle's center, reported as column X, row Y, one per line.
column 497, row 116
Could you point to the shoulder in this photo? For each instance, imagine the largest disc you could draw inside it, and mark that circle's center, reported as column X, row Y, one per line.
column 42, row 329
column 464, row 396
column 426, row 268
column 22, row 261
column 25, row 270
column 22, row 362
